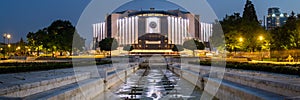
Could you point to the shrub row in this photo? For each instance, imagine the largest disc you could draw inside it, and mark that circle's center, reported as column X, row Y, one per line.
column 266, row 67
column 39, row 66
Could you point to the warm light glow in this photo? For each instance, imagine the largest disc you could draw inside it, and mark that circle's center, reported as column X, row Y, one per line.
column 18, row 48
column 261, row 38
column 9, row 45
column 29, row 49
column 8, row 36
column 241, row 39
column 1, row 48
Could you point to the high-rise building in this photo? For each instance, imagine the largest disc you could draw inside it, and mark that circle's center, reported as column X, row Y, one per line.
column 275, row 18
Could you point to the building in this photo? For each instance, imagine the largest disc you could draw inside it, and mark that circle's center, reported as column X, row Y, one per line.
column 152, row 29
column 275, row 18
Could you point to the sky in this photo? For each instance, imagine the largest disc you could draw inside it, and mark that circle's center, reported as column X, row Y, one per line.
column 18, row 17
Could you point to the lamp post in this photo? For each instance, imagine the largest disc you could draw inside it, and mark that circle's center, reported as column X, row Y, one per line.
column 4, row 36
column 261, row 38
column 8, row 38
column 240, row 40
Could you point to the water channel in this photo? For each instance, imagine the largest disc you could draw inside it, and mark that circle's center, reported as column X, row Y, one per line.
column 156, row 82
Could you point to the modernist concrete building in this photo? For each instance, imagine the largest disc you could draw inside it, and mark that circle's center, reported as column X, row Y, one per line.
column 152, row 29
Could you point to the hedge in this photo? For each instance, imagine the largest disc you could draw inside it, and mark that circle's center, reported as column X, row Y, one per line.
column 39, row 66
column 266, row 67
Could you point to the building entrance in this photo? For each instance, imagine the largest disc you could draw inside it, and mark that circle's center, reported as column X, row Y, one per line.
column 153, row 41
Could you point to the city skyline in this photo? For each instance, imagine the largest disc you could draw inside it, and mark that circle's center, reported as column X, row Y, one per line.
column 29, row 16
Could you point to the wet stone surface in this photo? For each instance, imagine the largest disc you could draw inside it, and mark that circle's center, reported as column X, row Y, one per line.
column 157, row 84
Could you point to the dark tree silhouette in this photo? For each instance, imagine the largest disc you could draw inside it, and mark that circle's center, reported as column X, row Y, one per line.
column 58, row 36
column 249, row 14
column 108, row 44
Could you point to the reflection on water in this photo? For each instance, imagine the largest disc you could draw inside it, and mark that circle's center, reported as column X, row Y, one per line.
column 157, row 84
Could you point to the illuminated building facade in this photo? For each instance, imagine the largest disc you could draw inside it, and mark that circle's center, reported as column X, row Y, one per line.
column 152, row 29
column 275, row 18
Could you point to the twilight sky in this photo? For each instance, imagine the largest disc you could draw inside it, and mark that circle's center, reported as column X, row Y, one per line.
column 19, row 17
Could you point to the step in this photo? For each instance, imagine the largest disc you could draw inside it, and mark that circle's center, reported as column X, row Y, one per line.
column 86, row 89
column 26, row 89
column 246, row 92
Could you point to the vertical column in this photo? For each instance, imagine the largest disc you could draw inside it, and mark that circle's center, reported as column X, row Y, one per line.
column 203, row 27
column 126, row 30
column 98, row 32
column 101, row 31
column 119, row 34
column 132, row 29
column 129, row 30
column 169, row 29
column 179, row 31
column 176, row 30
column 123, row 31
column 173, row 32
column 136, row 29
column 104, row 30
column 201, row 31
column 206, row 31
column 120, row 31
column 182, row 31
column 188, row 29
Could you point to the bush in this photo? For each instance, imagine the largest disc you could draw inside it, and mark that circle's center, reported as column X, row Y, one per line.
column 39, row 66
column 267, row 67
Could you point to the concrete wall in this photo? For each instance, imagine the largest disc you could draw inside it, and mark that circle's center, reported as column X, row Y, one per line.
column 26, row 89
column 76, row 87
column 230, row 87
column 94, row 88
column 271, row 86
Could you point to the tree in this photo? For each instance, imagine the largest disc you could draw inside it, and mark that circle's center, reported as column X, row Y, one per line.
column 59, row 36
column 287, row 36
column 193, row 45
column 177, row 48
column 108, row 44
column 62, row 34
column 37, row 40
column 21, row 46
column 246, row 27
column 128, row 48
column 249, row 14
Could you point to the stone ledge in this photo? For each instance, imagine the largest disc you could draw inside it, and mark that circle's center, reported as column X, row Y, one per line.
column 267, row 85
column 26, row 89
column 227, row 90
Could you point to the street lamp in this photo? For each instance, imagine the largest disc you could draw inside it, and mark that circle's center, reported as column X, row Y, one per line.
column 260, row 38
column 8, row 36
column 241, row 39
